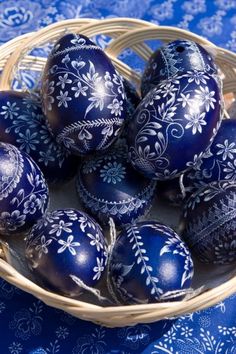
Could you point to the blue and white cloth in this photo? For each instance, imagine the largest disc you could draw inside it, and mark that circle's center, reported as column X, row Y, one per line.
column 27, row 326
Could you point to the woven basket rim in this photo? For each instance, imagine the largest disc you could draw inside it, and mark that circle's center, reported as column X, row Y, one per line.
column 112, row 316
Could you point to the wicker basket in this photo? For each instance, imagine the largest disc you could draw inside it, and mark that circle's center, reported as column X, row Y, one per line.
column 126, row 33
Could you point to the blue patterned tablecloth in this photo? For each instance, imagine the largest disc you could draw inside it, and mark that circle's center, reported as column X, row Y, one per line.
column 28, row 326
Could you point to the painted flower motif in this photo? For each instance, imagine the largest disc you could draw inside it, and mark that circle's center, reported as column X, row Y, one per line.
column 79, row 89
column 68, row 244
column 186, row 331
column 227, row 150
column 45, row 157
column 98, row 269
column 168, row 89
column 15, row 348
column 95, row 241
column 113, row 172
column 62, row 332
column 61, row 226
column 11, row 221
column 63, row 99
column 197, row 77
column 116, row 107
column 170, row 336
column 63, row 80
column 43, row 248
column 91, row 166
column 154, row 95
column 27, row 322
column 184, row 99
column 85, row 222
column 10, row 110
column 31, row 205
column 226, row 251
column 28, row 141
column 224, row 330
column 205, row 97
column 196, row 120
column 230, row 169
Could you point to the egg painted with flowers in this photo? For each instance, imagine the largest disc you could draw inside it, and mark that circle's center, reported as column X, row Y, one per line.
column 174, row 124
column 209, row 223
column 108, row 186
column 24, row 192
column 83, row 95
column 218, row 163
column 66, row 252
column 22, row 123
column 176, row 58
column 149, row 263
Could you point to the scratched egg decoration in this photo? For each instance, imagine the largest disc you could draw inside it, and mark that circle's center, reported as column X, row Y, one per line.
column 22, row 123
column 23, row 193
column 66, row 251
column 209, row 223
column 174, row 124
column 109, row 187
column 218, row 163
column 176, row 58
column 83, row 96
column 149, row 263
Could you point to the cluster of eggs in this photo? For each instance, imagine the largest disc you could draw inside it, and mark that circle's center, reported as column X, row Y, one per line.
column 128, row 146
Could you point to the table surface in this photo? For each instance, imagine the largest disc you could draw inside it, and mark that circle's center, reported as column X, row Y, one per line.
column 28, row 326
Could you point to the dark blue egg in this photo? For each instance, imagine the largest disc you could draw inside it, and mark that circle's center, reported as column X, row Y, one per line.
column 22, row 123
column 209, row 223
column 176, row 58
column 83, row 95
column 218, row 163
column 66, row 251
column 109, row 187
column 174, row 124
column 23, row 191
column 149, row 263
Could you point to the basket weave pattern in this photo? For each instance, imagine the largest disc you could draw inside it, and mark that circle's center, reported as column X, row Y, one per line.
column 126, row 33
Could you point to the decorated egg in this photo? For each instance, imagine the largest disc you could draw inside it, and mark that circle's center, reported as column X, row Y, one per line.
column 149, row 263
column 83, row 95
column 209, row 223
column 22, row 123
column 176, row 58
column 109, row 187
column 174, row 124
column 218, row 163
column 66, row 252
column 24, row 192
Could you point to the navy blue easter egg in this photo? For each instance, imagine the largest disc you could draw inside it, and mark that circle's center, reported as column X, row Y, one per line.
column 22, row 123
column 66, row 252
column 209, row 223
column 109, row 187
column 176, row 58
column 83, row 95
column 149, row 263
column 23, row 191
column 218, row 163
column 173, row 125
